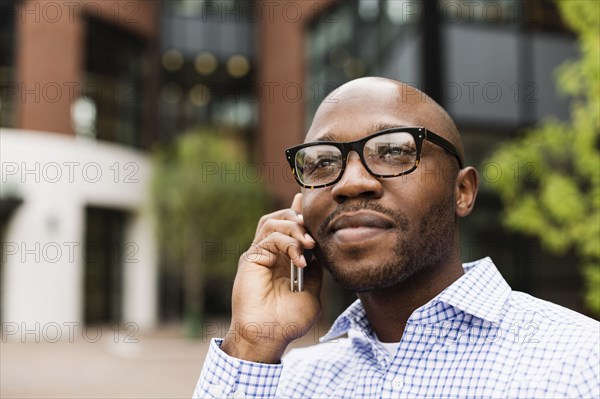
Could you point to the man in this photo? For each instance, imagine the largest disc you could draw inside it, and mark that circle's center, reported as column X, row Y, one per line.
column 424, row 325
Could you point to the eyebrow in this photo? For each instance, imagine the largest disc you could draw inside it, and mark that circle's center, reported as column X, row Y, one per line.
column 384, row 126
column 330, row 136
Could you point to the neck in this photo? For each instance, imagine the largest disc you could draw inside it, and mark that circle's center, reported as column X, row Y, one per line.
column 388, row 310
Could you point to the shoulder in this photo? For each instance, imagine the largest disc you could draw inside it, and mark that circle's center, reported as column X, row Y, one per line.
column 524, row 307
column 551, row 329
column 550, row 349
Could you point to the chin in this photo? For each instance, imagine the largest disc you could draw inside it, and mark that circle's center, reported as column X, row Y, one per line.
column 360, row 271
column 365, row 280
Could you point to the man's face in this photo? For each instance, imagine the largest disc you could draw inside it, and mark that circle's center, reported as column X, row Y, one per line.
column 375, row 233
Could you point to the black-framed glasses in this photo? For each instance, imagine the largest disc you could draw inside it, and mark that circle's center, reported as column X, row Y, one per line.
column 388, row 153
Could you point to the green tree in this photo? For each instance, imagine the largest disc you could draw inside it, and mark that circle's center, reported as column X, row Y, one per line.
column 556, row 193
column 204, row 203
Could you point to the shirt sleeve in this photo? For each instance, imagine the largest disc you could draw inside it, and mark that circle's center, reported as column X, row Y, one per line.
column 224, row 376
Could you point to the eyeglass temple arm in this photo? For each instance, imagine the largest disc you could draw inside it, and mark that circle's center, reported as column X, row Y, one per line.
column 446, row 145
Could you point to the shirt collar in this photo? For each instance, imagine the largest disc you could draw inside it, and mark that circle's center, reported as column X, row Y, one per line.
column 481, row 292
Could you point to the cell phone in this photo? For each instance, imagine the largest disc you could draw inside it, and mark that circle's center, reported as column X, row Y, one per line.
column 297, row 273
column 296, row 278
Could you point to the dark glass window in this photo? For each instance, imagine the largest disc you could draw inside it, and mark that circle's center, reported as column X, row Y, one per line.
column 359, row 38
column 104, row 257
column 407, row 39
column 216, row 10
column 539, row 15
column 544, row 15
column 208, row 75
column 113, row 83
column 8, row 87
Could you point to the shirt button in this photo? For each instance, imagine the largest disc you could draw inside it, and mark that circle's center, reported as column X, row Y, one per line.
column 397, row 383
column 215, row 390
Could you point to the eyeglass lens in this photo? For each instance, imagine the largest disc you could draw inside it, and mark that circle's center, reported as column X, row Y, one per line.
column 387, row 155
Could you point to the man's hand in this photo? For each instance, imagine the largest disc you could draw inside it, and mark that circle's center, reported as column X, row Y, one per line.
column 266, row 314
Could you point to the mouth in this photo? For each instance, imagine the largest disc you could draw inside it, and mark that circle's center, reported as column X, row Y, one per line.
column 359, row 227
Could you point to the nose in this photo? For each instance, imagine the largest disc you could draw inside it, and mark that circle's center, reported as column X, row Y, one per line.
column 356, row 182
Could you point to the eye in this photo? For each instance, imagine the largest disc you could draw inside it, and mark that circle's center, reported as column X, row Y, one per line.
column 396, row 153
column 321, row 165
column 325, row 163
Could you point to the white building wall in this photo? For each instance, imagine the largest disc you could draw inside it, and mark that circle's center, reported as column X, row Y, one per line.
column 57, row 176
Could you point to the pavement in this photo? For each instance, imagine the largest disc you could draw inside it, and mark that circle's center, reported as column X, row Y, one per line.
column 157, row 364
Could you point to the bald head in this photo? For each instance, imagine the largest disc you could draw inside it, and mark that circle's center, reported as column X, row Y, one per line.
column 389, row 100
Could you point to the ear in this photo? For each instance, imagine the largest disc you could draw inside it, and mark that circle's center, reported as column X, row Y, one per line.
column 467, row 183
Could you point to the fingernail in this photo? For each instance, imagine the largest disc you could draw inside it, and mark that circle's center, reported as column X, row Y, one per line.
column 303, row 260
column 300, row 216
column 309, row 238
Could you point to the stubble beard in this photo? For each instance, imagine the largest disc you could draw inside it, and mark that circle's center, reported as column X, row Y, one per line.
column 416, row 248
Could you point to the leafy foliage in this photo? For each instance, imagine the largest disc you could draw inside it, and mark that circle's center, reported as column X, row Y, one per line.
column 206, row 209
column 554, row 193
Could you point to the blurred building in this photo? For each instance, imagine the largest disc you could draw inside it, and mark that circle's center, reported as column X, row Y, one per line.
column 78, row 109
column 88, row 87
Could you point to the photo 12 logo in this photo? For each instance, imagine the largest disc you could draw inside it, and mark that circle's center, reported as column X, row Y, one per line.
column 68, row 252
column 70, row 172
column 54, row 332
column 52, row 92
column 53, row 12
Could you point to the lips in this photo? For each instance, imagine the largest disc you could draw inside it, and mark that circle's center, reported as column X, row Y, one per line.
column 360, row 220
column 358, row 229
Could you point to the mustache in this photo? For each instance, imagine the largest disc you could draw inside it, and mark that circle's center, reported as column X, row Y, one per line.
column 400, row 219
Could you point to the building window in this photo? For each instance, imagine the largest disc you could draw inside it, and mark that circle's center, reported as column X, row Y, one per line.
column 538, row 15
column 8, row 87
column 360, row 38
column 216, row 10
column 208, row 74
column 104, row 257
column 112, row 94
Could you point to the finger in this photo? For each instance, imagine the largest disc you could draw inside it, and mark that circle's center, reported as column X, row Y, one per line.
column 268, row 251
column 287, row 227
column 297, row 207
column 283, row 214
column 297, row 203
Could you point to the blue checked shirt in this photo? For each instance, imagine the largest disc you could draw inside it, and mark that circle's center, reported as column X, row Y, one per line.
column 476, row 339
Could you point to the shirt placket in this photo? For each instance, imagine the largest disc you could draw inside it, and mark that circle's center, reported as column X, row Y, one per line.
column 396, row 382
